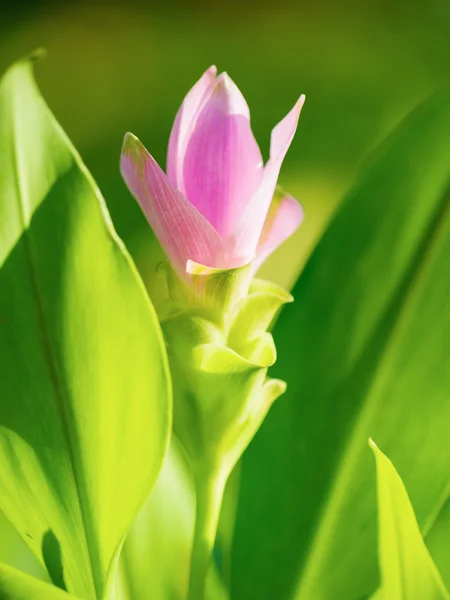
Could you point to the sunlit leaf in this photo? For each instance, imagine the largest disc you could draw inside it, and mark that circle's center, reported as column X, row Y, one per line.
column 365, row 350
column 84, row 397
column 15, row 552
column 15, row 585
column 156, row 556
column 437, row 536
column 407, row 569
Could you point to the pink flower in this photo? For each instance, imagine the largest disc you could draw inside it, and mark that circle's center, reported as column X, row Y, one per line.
column 213, row 205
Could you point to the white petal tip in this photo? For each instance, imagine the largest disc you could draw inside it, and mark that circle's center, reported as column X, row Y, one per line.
column 224, row 81
column 299, row 104
column 228, row 94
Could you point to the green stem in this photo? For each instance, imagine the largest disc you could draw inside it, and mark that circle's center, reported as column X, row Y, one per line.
column 209, row 486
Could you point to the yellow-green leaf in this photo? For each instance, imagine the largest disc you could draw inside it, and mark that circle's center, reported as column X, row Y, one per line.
column 15, row 585
column 407, row 569
column 85, row 394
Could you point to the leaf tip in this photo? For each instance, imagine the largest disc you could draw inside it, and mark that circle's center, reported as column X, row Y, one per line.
column 274, row 388
column 372, row 445
column 36, row 55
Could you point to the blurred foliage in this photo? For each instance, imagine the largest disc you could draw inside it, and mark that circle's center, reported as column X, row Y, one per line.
column 365, row 351
column 122, row 66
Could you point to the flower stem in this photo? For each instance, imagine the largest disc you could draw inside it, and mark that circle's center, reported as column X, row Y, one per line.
column 209, row 486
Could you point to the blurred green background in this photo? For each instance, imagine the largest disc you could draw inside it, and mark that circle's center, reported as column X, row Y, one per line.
column 119, row 66
column 116, row 67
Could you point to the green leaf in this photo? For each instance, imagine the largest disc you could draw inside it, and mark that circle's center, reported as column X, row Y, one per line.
column 437, row 536
column 84, row 399
column 407, row 569
column 364, row 350
column 15, row 552
column 15, row 585
column 156, row 555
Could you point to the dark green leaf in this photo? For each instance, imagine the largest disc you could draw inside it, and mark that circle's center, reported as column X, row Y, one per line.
column 365, row 350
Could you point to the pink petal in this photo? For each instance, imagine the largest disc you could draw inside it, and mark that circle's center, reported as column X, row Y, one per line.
column 184, row 124
column 245, row 239
column 283, row 219
column 222, row 164
column 182, row 231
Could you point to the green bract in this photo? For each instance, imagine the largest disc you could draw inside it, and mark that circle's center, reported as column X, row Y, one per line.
column 220, row 350
column 215, row 326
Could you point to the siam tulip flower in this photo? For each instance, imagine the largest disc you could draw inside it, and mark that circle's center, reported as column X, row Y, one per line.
column 218, row 216
column 214, row 206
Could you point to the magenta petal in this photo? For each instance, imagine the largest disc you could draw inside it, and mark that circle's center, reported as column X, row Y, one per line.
column 182, row 231
column 184, row 124
column 245, row 238
column 222, row 163
column 283, row 219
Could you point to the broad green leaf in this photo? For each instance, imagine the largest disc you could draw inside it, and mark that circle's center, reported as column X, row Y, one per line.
column 364, row 350
column 15, row 552
column 84, row 397
column 437, row 537
column 407, row 569
column 156, row 555
column 15, row 585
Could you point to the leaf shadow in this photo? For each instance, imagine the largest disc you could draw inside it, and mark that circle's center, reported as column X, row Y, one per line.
column 52, row 555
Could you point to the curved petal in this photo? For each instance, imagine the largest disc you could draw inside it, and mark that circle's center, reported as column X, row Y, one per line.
column 283, row 219
column 244, row 241
column 182, row 231
column 222, row 164
column 184, row 124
